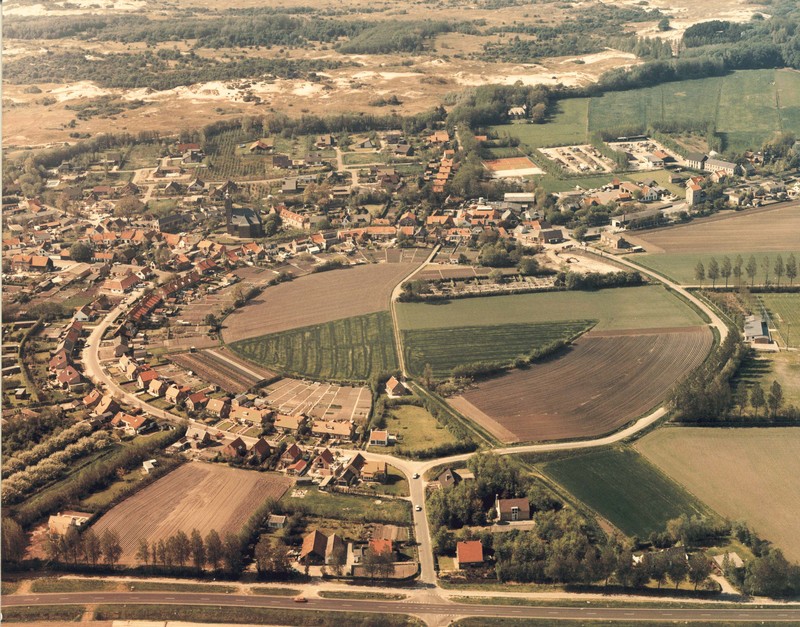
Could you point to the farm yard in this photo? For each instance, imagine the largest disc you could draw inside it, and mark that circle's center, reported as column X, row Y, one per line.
column 746, row 107
column 784, row 313
column 625, row 489
column 316, row 299
column 320, row 400
column 349, row 349
column 195, row 496
column 446, row 348
column 622, row 375
column 224, row 371
column 649, row 306
column 744, row 474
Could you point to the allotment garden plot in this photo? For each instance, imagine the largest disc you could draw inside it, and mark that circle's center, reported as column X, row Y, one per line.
column 195, row 496
column 223, row 369
column 316, row 299
column 744, row 474
column 320, row 400
column 601, row 383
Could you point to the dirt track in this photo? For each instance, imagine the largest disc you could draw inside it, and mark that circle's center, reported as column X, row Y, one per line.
column 602, row 383
column 317, row 298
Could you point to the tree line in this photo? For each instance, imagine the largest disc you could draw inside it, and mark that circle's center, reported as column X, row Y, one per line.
column 738, row 269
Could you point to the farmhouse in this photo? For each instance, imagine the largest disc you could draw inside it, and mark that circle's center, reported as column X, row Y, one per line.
column 469, row 554
column 509, row 510
column 395, row 388
column 614, row 241
column 60, row 523
column 314, row 548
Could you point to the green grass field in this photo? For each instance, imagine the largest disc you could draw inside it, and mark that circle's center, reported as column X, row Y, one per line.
column 748, row 107
column 764, row 367
column 349, row 507
column 624, row 488
column 646, row 307
column 444, row 349
column 349, row 349
column 784, row 312
column 416, row 429
column 680, row 267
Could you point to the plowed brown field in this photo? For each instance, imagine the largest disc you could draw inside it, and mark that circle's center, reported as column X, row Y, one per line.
column 603, row 382
column 317, row 298
column 195, row 496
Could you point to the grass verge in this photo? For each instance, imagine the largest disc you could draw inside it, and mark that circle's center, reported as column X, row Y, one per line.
column 44, row 613
column 372, row 596
column 72, row 585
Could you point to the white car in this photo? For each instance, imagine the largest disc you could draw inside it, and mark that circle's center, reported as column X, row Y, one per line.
column 418, row 508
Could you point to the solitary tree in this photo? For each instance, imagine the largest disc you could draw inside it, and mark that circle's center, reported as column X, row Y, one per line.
column 751, row 268
column 14, row 541
column 791, row 268
column 700, row 272
column 699, row 569
column 713, row 271
column 737, row 268
column 725, row 269
column 677, row 568
column 779, row 268
column 775, row 398
column 112, row 549
column 765, row 268
column 213, row 549
column 757, row 399
column 143, row 552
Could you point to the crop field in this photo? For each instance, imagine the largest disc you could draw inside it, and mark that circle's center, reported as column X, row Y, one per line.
column 620, row 485
column 320, row 400
column 604, row 381
column 784, row 312
column 349, row 349
column 316, row 299
column 222, row 370
column 746, row 106
column 645, row 307
column 444, row 349
column 195, row 496
column 768, row 229
column 744, row 474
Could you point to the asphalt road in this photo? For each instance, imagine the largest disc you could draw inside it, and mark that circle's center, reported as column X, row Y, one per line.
column 788, row 614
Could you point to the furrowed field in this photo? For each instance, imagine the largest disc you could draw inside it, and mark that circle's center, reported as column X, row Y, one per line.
column 349, row 349
column 746, row 107
column 744, row 474
column 645, row 307
column 784, row 312
column 445, row 349
column 625, row 489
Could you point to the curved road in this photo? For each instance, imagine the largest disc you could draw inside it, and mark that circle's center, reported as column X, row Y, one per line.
column 410, row 468
column 788, row 614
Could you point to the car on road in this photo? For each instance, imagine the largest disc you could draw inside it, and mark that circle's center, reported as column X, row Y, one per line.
column 415, row 475
column 300, row 600
column 418, row 508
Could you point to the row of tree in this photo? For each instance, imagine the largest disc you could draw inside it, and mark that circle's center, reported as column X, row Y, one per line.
column 715, row 270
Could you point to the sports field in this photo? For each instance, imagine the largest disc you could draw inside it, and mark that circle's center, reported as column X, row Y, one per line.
column 747, row 108
column 198, row 496
column 743, row 474
column 445, row 349
column 601, row 383
column 646, row 307
column 624, row 488
column 349, row 349
column 316, row 299
column 784, row 313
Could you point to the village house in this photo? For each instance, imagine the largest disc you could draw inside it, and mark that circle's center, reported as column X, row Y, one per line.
column 289, row 424
column 144, row 378
column 219, row 407
column 132, row 425
column 261, row 450
column 323, row 463
column 59, row 524
column 374, row 472
column 107, row 405
column 69, row 378
column 196, row 402
column 379, row 437
column 382, row 546
column 176, row 394
column 291, row 454
column 509, row 510
column 469, row 554
column 157, row 388
column 235, row 449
